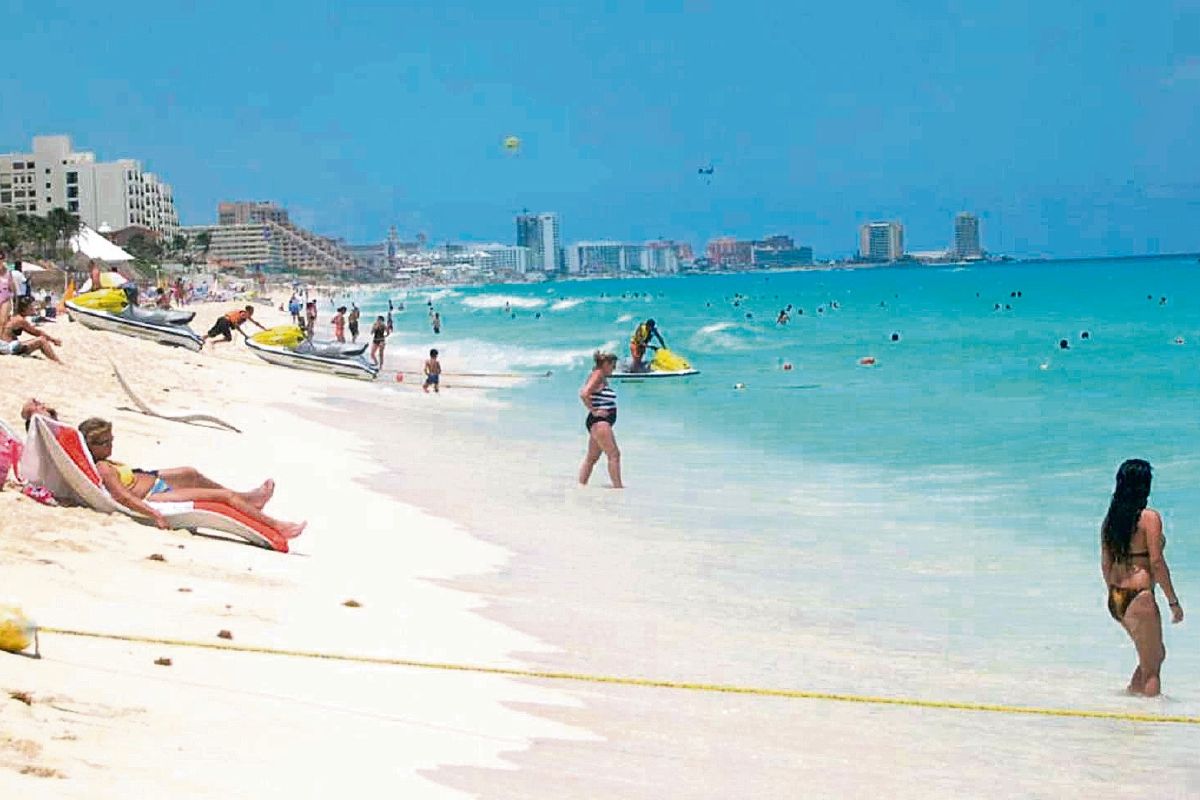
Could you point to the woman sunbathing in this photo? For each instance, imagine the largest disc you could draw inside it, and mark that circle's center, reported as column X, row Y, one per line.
column 132, row 487
column 18, row 323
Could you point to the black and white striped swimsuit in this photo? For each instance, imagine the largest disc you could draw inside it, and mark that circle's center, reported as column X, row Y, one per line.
column 603, row 399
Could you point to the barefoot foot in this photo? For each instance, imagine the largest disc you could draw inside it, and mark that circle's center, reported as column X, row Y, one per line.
column 292, row 529
column 262, row 495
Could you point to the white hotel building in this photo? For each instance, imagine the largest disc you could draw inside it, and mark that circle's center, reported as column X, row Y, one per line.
column 113, row 194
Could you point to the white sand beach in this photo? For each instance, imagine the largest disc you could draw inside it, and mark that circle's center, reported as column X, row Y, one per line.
column 106, row 721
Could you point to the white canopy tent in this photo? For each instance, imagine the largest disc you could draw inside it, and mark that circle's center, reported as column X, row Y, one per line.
column 93, row 245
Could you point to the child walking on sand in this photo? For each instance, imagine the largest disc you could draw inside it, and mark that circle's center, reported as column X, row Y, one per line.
column 433, row 373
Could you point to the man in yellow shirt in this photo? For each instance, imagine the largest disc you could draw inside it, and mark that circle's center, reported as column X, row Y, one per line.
column 641, row 340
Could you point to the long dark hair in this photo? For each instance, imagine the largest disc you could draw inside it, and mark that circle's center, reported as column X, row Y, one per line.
column 1128, row 500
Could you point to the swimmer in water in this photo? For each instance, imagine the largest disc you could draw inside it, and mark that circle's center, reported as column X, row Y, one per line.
column 1085, row 335
column 1063, row 344
column 895, row 337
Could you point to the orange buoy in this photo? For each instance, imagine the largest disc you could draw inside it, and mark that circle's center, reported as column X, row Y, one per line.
column 867, row 361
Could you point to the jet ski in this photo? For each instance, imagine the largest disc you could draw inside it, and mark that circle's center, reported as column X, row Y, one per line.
column 286, row 346
column 665, row 365
column 112, row 310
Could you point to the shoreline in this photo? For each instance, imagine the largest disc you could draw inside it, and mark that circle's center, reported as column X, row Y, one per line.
column 560, row 587
column 221, row 720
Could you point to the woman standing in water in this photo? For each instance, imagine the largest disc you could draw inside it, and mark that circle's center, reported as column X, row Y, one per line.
column 600, row 400
column 1132, row 560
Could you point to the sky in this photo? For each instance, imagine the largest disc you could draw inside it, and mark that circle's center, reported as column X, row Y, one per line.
column 1070, row 128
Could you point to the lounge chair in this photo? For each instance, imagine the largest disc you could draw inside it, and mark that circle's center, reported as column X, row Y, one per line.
column 56, row 457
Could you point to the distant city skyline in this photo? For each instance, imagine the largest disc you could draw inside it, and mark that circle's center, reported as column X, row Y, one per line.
column 814, row 119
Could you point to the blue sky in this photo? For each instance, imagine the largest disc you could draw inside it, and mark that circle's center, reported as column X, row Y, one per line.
column 1070, row 128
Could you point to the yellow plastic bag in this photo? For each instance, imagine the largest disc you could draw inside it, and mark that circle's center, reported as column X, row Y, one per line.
column 16, row 629
column 280, row 336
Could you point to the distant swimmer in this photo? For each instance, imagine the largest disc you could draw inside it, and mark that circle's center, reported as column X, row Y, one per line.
column 867, row 361
column 1007, row 307
column 782, row 319
column 1178, row 340
column 1085, row 335
column 1018, row 292
column 1162, row 302
column 997, row 308
column 895, row 337
column 1133, row 563
column 640, row 340
column 437, row 322
column 1063, row 344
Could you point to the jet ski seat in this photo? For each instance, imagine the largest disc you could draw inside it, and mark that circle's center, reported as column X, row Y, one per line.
column 332, row 349
column 157, row 316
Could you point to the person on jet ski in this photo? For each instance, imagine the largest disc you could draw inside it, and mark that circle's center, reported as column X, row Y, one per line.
column 640, row 341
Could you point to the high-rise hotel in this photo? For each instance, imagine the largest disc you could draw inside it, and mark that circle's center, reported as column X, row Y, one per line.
column 881, row 241
column 112, row 194
column 966, row 236
column 539, row 232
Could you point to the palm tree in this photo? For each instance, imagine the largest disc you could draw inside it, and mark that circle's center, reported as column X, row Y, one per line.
column 204, row 241
column 10, row 232
column 36, row 230
column 65, row 226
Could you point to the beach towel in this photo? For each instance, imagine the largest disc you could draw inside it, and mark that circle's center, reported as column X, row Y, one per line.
column 56, row 457
column 10, row 453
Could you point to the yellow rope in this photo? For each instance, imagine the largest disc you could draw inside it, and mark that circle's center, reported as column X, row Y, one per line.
column 647, row 682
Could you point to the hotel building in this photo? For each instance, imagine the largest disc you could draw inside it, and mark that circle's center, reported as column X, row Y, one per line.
column 260, row 236
column 110, row 195
column 881, row 241
column 966, row 236
column 540, row 233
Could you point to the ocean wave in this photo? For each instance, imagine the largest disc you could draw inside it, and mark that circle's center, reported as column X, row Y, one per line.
column 717, row 327
column 563, row 305
column 625, row 318
column 440, row 294
column 476, row 355
column 501, row 300
column 730, row 337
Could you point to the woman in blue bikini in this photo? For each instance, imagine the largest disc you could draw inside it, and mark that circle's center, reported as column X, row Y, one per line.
column 133, row 487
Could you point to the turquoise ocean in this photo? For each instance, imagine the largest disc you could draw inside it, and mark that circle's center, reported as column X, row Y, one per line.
column 926, row 526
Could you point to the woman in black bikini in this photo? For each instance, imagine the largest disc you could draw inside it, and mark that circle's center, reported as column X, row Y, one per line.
column 1132, row 560
column 600, row 399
